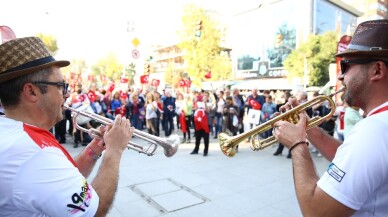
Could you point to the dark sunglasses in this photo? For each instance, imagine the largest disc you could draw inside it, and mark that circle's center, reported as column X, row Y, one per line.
column 64, row 85
column 346, row 63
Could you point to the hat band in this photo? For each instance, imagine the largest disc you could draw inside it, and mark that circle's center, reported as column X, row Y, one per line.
column 32, row 64
column 363, row 48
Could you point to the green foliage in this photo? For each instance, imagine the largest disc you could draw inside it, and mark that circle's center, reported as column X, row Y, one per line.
column 50, row 41
column 109, row 66
column 203, row 54
column 317, row 53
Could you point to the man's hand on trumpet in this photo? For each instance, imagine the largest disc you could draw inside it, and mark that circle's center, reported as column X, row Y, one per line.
column 117, row 135
column 288, row 133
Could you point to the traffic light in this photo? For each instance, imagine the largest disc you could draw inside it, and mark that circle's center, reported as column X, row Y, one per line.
column 147, row 68
column 278, row 40
column 198, row 29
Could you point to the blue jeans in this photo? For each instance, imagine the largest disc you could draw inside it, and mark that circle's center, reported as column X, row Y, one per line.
column 135, row 121
column 218, row 126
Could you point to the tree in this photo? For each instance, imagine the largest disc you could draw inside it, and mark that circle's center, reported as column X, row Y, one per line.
column 316, row 55
column 284, row 44
column 50, row 42
column 109, row 66
column 200, row 40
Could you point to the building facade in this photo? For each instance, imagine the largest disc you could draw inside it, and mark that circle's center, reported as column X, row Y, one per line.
column 258, row 57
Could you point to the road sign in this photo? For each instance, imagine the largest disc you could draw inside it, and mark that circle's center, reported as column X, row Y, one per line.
column 135, row 54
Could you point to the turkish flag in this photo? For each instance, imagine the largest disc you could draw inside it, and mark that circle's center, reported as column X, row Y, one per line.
column 111, row 87
column 255, row 105
column 92, row 96
column 155, row 82
column 144, row 79
column 123, row 95
column 208, row 74
column 182, row 83
column 6, row 34
column 123, row 80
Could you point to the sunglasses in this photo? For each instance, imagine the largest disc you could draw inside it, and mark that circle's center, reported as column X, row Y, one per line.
column 345, row 64
column 64, row 85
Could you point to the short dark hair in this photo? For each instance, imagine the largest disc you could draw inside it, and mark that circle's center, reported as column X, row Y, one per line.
column 10, row 90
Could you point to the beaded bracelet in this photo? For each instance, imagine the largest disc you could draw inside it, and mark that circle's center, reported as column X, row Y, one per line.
column 298, row 143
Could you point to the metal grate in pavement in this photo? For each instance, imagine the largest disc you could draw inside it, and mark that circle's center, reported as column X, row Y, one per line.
column 167, row 195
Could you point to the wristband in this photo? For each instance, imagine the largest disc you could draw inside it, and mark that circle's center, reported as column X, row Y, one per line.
column 298, row 143
column 93, row 154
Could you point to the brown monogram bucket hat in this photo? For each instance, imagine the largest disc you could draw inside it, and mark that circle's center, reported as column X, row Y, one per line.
column 25, row 55
column 369, row 40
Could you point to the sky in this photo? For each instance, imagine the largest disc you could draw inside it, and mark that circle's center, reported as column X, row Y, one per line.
column 91, row 29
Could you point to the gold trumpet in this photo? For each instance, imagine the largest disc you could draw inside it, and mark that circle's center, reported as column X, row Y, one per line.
column 228, row 144
column 170, row 144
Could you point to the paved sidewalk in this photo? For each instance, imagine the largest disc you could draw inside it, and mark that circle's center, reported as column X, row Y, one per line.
column 248, row 184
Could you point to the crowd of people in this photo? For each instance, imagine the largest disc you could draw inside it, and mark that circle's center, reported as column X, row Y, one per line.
column 226, row 110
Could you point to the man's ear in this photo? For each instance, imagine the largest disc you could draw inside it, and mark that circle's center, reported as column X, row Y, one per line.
column 30, row 92
column 379, row 71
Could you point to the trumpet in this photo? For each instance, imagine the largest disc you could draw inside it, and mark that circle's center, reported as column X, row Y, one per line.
column 228, row 144
column 170, row 144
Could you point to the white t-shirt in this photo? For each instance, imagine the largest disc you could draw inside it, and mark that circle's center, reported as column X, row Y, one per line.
column 358, row 175
column 38, row 177
column 150, row 112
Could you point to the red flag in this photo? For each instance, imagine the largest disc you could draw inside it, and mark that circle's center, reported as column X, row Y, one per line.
column 182, row 121
column 255, row 105
column 111, row 87
column 144, row 79
column 123, row 95
column 182, row 83
column 201, row 121
column 92, row 96
column 208, row 74
column 6, row 34
column 123, row 80
column 155, row 82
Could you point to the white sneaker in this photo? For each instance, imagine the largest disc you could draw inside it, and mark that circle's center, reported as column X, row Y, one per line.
column 319, row 155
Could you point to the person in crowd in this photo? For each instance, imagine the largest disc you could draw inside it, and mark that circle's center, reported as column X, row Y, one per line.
column 178, row 103
column 115, row 103
column 133, row 107
column 255, row 102
column 340, row 122
column 38, row 177
column 238, row 99
column 209, row 109
column 169, row 112
column 267, row 113
column 230, row 117
column 351, row 118
column 151, row 107
column 79, row 100
column 356, row 181
column 160, row 111
column 187, row 110
column 219, row 109
column 201, row 126
column 279, row 150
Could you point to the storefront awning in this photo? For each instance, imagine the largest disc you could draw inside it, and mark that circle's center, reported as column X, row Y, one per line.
column 264, row 84
column 214, row 85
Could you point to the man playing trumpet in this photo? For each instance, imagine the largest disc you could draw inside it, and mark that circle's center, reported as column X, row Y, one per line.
column 38, row 177
column 356, row 181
